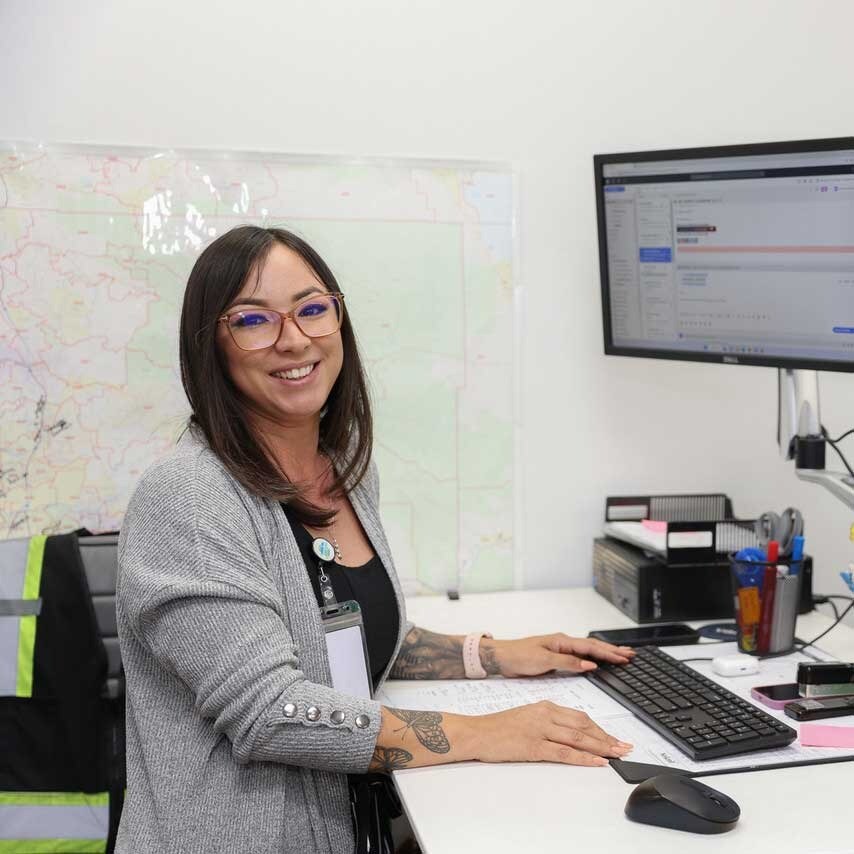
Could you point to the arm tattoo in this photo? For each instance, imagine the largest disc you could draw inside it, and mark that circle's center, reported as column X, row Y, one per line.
column 427, row 727
column 487, row 658
column 427, row 655
column 388, row 759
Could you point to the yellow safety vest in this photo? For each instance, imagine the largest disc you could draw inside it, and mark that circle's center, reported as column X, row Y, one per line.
column 36, row 822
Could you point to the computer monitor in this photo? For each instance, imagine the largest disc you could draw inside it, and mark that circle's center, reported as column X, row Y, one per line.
column 741, row 254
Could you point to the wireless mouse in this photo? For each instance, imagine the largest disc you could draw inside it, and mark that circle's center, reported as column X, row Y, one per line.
column 670, row 800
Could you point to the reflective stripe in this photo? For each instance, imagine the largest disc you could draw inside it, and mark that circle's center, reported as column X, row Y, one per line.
column 9, row 632
column 13, row 567
column 20, row 607
column 53, row 846
column 53, row 822
column 33, row 577
column 54, row 799
column 26, row 653
column 27, row 628
column 13, row 572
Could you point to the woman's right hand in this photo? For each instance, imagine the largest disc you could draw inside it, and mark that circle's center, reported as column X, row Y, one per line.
column 543, row 732
column 539, row 732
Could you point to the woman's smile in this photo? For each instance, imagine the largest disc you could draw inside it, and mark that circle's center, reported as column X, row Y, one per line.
column 298, row 375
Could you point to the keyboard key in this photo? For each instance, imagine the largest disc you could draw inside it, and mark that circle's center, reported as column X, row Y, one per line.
column 616, row 683
column 708, row 745
column 740, row 736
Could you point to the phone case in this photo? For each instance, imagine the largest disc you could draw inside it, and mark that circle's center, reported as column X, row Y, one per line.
column 645, row 636
column 767, row 701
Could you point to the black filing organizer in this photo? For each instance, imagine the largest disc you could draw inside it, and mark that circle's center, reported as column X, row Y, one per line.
column 691, row 581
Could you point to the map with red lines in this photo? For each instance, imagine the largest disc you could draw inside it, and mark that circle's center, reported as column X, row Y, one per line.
column 95, row 247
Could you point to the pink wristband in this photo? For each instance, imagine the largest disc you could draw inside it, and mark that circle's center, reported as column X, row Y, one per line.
column 471, row 655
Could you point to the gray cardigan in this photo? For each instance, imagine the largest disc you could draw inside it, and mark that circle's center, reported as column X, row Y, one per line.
column 220, row 638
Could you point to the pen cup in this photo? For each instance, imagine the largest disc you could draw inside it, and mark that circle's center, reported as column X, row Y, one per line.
column 765, row 600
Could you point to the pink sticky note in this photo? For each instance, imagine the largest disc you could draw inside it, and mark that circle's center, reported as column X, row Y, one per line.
column 818, row 735
column 653, row 525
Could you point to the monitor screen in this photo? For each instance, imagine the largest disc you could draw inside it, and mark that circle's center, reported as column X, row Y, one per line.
column 741, row 254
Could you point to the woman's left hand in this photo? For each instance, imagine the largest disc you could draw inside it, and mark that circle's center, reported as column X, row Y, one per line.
column 533, row 656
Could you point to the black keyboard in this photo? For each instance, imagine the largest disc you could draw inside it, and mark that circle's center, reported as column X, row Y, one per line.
column 702, row 719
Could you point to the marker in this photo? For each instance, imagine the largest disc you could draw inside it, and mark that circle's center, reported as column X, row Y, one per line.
column 797, row 554
column 773, row 552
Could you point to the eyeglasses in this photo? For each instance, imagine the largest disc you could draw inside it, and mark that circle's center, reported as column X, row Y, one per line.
column 316, row 316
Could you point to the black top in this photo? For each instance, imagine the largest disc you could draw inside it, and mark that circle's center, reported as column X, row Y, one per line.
column 370, row 586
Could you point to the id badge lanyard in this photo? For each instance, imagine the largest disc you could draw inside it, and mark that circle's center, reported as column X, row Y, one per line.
column 344, row 632
column 325, row 553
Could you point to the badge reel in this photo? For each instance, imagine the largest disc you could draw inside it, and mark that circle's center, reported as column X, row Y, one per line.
column 344, row 631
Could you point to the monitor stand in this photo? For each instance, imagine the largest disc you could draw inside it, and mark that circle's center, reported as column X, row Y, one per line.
column 799, row 421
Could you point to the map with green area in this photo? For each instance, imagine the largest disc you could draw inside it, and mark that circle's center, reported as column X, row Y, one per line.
column 96, row 245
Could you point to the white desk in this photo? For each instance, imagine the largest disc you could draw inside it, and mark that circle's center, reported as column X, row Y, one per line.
column 520, row 808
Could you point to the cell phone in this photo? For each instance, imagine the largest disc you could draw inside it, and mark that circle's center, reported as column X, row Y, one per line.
column 664, row 634
column 776, row 696
column 808, row 709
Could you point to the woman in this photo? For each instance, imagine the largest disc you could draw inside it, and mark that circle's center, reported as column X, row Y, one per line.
column 235, row 739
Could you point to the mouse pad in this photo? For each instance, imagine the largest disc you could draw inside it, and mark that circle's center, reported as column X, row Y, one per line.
column 637, row 772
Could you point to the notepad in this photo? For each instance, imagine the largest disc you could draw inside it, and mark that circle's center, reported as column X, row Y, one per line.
column 821, row 735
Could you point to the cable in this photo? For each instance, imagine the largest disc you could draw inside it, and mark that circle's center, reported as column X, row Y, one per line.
column 840, row 438
column 841, row 457
column 835, row 624
column 832, row 443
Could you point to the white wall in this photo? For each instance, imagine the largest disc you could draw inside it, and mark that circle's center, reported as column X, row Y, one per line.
column 544, row 85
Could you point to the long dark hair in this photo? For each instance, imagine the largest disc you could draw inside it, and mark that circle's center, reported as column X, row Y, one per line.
column 218, row 410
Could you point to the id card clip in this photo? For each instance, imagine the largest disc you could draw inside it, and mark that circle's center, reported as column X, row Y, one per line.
column 325, row 553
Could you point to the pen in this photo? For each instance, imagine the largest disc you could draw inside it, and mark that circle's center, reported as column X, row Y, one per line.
column 797, row 554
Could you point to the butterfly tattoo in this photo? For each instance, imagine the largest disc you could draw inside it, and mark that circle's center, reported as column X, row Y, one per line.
column 390, row 759
column 427, row 727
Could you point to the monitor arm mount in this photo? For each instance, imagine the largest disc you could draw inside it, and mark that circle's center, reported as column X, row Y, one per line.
column 799, row 434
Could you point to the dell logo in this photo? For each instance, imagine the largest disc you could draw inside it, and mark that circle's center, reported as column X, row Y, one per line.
column 731, row 360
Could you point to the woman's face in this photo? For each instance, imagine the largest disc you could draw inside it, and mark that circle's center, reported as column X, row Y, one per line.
column 260, row 374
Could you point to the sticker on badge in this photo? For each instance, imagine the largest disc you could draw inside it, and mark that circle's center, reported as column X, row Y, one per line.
column 323, row 549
